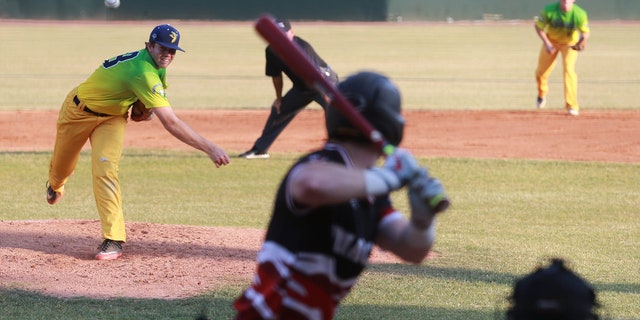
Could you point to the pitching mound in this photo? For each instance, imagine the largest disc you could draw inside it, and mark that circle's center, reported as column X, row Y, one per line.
column 160, row 261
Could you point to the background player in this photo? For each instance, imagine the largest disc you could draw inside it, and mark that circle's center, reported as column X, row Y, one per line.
column 333, row 206
column 97, row 111
column 563, row 27
column 285, row 108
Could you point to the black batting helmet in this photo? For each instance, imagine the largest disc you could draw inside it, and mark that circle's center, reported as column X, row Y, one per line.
column 377, row 99
column 552, row 293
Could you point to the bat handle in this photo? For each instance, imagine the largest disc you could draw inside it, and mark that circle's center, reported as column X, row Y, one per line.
column 434, row 196
column 439, row 203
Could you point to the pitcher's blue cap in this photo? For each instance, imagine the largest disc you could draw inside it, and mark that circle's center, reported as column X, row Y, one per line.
column 166, row 35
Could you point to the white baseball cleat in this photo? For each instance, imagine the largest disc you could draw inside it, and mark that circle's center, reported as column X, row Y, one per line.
column 254, row 154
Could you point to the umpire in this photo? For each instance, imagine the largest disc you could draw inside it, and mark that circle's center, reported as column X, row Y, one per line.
column 286, row 107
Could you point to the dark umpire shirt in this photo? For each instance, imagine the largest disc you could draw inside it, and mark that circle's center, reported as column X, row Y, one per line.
column 275, row 66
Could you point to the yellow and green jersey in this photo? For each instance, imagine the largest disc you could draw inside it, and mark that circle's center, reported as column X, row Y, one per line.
column 563, row 27
column 122, row 80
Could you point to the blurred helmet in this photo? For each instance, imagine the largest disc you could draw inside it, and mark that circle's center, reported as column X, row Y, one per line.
column 554, row 292
column 377, row 99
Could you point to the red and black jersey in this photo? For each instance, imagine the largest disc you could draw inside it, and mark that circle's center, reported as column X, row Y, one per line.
column 311, row 258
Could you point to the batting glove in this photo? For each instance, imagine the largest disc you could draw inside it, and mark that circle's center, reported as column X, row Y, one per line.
column 426, row 198
column 398, row 169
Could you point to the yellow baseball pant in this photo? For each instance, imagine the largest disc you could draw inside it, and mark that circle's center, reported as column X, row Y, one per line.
column 546, row 63
column 106, row 134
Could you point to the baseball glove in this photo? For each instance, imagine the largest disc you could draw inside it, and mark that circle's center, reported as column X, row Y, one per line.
column 579, row 46
column 139, row 112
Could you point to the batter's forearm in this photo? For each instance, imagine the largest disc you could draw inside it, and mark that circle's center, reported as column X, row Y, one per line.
column 407, row 241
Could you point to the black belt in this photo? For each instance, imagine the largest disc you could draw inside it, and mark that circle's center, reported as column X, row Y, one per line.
column 87, row 110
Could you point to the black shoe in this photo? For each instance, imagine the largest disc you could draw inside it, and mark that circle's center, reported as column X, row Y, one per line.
column 52, row 196
column 254, row 154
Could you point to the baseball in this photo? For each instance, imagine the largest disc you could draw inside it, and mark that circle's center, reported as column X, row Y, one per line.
column 112, row 3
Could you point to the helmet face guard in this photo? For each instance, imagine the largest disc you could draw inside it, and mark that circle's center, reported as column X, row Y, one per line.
column 377, row 99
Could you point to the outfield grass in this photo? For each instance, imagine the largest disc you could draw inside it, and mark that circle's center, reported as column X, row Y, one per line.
column 437, row 66
column 507, row 217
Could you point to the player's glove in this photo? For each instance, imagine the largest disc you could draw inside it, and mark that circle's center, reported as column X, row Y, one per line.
column 426, row 198
column 139, row 112
column 398, row 169
column 580, row 45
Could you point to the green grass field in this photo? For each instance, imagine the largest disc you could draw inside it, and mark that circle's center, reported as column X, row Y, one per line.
column 507, row 215
column 467, row 66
